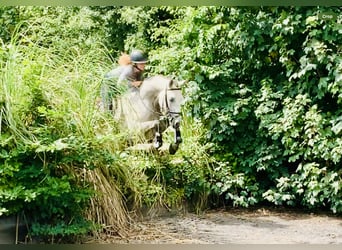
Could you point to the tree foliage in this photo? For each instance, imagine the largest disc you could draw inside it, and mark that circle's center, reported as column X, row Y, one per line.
column 265, row 83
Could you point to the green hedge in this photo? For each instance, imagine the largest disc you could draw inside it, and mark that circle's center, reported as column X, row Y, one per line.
column 265, row 83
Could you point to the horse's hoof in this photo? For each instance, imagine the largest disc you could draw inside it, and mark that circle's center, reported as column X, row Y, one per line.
column 173, row 148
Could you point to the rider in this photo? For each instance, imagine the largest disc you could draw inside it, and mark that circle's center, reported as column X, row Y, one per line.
column 133, row 72
column 130, row 71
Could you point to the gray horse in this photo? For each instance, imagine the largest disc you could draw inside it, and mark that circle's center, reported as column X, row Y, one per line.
column 150, row 109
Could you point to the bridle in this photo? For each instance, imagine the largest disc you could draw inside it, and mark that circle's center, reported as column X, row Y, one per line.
column 168, row 111
column 171, row 118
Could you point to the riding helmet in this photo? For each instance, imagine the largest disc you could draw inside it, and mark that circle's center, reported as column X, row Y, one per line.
column 137, row 56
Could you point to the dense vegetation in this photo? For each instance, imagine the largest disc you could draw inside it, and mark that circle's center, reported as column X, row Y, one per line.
column 262, row 118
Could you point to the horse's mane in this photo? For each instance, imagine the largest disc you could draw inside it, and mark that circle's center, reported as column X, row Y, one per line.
column 157, row 81
column 161, row 77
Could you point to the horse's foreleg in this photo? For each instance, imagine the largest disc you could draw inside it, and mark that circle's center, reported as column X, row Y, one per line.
column 157, row 140
column 158, row 130
column 178, row 137
column 153, row 132
column 178, row 140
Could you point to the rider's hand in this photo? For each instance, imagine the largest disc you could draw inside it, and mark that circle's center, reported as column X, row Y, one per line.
column 136, row 83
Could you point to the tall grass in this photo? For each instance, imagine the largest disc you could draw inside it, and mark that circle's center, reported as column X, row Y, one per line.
column 13, row 94
column 176, row 182
column 49, row 96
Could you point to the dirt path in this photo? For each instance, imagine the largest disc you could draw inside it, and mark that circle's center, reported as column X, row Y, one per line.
column 237, row 226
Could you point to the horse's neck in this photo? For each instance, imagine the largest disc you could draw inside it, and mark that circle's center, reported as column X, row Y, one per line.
column 160, row 102
column 152, row 91
column 151, row 87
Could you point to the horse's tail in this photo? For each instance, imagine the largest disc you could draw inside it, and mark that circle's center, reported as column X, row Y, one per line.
column 124, row 59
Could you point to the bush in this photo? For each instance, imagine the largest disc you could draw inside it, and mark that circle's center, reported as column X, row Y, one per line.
column 52, row 136
column 264, row 82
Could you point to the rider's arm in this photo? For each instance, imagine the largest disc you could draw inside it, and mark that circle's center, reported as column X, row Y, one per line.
column 127, row 76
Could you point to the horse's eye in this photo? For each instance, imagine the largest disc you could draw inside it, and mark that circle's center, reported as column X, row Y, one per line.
column 172, row 99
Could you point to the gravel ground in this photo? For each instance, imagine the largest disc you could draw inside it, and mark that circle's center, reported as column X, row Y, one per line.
column 262, row 226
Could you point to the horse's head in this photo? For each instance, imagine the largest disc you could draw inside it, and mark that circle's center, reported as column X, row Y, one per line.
column 172, row 103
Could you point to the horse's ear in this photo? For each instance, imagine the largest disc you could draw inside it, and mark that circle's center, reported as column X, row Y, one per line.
column 181, row 83
column 171, row 83
column 176, row 83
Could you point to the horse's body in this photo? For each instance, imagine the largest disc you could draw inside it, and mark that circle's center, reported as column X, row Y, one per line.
column 150, row 109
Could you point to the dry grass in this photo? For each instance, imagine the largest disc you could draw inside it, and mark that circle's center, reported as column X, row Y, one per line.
column 107, row 206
